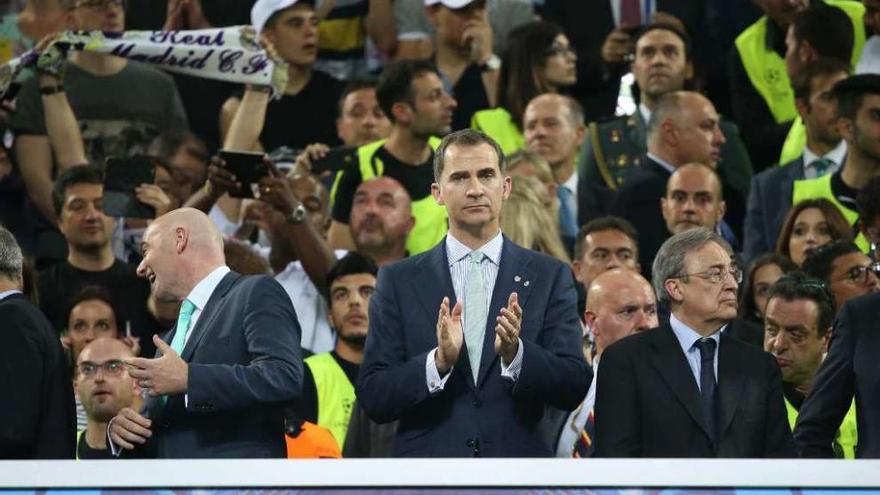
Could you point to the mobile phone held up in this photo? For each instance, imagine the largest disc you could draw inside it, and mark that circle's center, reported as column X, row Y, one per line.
column 248, row 168
column 121, row 177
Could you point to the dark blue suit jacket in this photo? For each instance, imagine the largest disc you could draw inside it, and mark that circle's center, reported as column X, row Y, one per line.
column 495, row 418
column 769, row 202
column 244, row 362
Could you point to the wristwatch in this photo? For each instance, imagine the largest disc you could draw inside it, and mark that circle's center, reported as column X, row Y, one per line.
column 491, row 63
column 298, row 215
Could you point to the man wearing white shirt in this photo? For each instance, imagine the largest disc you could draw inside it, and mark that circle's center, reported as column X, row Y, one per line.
column 473, row 339
column 232, row 360
column 553, row 127
column 620, row 302
column 770, row 196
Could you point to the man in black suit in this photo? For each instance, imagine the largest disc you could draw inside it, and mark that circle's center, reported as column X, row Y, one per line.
column 37, row 420
column 683, row 129
column 849, row 369
column 232, row 361
column 770, row 195
column 686, row 389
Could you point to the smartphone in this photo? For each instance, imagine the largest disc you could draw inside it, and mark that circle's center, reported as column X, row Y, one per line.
column 121, row 177
column 335, row 160
column 248, row 168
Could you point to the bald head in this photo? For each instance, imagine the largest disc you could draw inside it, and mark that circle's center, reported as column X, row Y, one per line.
column 180, row 249
column 684, row 128
column 620, row 302
column 381, row 217
column 105, row 346
column 693, row 199
column 553, row 127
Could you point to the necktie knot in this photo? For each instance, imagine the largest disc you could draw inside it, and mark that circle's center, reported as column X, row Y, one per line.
column 186, row 309
column 822, row 165
column 707, row 349
column 476, row 257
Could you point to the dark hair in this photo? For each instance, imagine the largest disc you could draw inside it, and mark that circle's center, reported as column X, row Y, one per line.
column 395, row 83
column 526, row 51
column 869, row 201
column 672, row 28
column 465, row 137
column 850, row 92
column 169, row 142
column 822, row 67
column 79, row 174
column 90, row 293
column 242, row 258
column 818, row 263
column 351, row 87
column 798, row 285
column 605, row 223
column 827, row 29
column 350, row 264
column 837, row 224
column 747, row 308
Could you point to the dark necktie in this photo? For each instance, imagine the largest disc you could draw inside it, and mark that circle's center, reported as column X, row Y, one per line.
column 822, row 165
column 707, row 383
column 630, row 13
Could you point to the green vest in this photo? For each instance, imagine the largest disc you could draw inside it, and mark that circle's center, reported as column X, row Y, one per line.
column 335, row 394
column 766, row 69
column 795, row 142
column 498, row 124
column 847, row 435
column 820, row 187
column 79, row 435
column 431, row 221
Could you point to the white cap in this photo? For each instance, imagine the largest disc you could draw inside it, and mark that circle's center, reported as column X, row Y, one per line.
column 263, row 10
column 452, row 4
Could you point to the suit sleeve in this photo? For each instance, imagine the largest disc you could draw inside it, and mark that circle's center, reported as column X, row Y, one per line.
column 823, row 410
column 554, row 370
column 275, row 371
column 390, row 383
column 777, row 430
column 754, row 242
column 617, row 406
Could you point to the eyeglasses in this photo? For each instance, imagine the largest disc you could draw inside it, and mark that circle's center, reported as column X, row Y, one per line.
column 99, row 4
column 560, row 50
column 716, row 275
column 114, row 367
column 859, row 274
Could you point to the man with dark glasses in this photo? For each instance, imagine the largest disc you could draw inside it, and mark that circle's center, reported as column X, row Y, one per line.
column 847, row 272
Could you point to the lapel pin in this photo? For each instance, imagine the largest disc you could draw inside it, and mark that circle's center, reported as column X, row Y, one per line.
column 526, row 283
column 517, row 278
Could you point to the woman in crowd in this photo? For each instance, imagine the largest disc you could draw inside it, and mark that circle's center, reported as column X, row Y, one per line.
column 527, row 221
column 808, row 225
column 539, row 59
column 764, row 271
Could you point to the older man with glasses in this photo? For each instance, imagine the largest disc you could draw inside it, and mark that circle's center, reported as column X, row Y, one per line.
column 686, row 388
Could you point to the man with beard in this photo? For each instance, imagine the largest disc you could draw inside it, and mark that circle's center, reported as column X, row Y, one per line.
column 413, row 97
column 381, row 219
column 77, row 196
column 104, row 386
column 858, row 102
column 328, row 385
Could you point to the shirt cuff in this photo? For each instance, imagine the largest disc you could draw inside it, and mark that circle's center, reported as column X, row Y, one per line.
column 513, row 369
column 432, row 376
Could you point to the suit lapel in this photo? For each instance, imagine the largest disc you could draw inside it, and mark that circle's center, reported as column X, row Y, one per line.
column 672, row 366
column 208, row 314
column 730, row 382
column 640, row 132
column 513, row 275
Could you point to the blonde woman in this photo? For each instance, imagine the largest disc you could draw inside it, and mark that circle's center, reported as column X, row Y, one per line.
column 528, row 221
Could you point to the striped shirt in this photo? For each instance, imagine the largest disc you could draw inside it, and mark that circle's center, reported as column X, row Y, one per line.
column 459, row 264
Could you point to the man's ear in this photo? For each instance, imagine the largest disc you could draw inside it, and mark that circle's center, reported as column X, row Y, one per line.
column 402, row 112
column 673, row 288
column 722, row 210
column 590, row 320
column 846, row 127
column 438, row 196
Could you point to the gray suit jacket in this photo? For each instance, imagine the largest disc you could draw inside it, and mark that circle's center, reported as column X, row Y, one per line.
column 769, row 202
column 244, row 363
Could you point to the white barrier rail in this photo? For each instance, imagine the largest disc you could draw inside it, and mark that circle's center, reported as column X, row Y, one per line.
column 441, row 473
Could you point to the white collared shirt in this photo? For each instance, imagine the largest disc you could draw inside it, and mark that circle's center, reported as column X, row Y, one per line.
column 646, row 113
column 687, row 337
column 663, row 163
column 457, row 257
column 572, row 185
column 836, row 156
column 7, row 293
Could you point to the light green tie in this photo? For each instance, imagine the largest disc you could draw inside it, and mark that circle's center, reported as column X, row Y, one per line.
column 476, row 309
column 179, row 340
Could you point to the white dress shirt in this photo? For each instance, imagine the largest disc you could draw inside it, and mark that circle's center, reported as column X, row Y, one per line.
column 200, row 294
column 836, row 156
column 687, row 337
column 7, row 293
column 577, row 419
column 457, row 256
